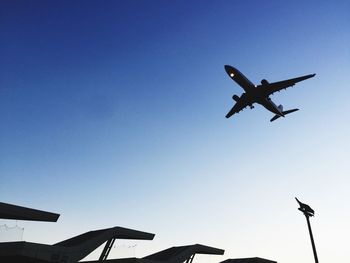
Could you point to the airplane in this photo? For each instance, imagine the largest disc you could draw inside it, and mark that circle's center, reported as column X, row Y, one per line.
column 260, row 93
column 307, row 210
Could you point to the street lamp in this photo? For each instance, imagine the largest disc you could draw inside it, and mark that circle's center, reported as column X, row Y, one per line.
column 308, row 212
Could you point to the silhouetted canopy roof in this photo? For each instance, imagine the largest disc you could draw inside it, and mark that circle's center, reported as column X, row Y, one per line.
column 170, row 255
column 179, row 254
column 75, row 248
column 248, row 260
column 106, row 234
column 8, row 211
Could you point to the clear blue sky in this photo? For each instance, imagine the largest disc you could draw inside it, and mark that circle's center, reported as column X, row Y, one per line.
column 112, row 113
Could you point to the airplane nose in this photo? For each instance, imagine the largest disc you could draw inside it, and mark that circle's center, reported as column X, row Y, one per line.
column 230, row 70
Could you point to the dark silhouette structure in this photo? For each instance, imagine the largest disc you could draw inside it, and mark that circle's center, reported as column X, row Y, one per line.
column 248, row 260
column 68, row 251
column 308, row 212
column 181, row 254
column 184, row 253
column 77, row 248
column 260, row 93
column 9, row 211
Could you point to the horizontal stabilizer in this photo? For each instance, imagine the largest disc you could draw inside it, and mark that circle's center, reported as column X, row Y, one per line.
column 284, row 113
column 289, row 111
column 275, row 117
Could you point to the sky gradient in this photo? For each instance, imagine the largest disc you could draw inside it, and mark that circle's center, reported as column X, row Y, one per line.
column 112, row 113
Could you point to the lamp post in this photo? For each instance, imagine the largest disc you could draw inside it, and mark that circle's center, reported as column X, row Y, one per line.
column 308, row 212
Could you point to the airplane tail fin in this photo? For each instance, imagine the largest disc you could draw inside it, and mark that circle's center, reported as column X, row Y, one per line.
column 284, row 113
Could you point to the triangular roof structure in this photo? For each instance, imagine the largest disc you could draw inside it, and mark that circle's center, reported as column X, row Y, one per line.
column 183, row 253
column 171, row 255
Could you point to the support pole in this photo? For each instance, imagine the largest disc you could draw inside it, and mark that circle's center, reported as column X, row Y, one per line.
column 190, row 259
column 312, row 238
column 106, row 250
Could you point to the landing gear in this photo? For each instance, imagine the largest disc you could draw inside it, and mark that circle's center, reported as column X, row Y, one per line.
column 251, row 106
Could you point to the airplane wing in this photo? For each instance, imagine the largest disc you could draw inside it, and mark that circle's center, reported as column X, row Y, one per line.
column 240, row 105
column 277, row 86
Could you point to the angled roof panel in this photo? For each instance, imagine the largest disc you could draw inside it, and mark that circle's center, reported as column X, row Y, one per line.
column 9, row 211
column 248, row 260
column 106, row 234
column 180, row 254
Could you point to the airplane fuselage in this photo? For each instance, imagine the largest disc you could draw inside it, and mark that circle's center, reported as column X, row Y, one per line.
column 252, row 93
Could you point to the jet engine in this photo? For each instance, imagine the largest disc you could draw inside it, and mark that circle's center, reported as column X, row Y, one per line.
column 235, row 98
column 264, row 82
